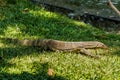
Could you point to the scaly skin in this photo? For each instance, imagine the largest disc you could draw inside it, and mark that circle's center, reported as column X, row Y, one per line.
column 62, row 45
column 56, row 45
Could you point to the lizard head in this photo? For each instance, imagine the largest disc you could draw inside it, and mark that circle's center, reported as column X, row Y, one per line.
column 101, row 45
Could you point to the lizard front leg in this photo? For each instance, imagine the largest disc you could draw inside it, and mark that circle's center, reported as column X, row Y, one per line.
column 84, row 51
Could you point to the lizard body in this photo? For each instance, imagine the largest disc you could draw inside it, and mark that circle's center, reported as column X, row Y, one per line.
column 56, row 45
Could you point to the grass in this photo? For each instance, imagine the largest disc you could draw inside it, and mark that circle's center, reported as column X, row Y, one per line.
column 24, row 20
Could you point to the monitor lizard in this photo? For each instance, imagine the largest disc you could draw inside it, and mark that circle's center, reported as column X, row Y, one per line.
column 56, row 45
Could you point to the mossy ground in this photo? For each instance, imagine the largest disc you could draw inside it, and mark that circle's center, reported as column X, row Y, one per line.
column 24, row 20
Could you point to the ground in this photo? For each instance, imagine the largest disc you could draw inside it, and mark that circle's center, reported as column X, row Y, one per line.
column 24, row 20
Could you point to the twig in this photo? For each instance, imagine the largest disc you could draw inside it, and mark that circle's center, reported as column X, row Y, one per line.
column 113, row 7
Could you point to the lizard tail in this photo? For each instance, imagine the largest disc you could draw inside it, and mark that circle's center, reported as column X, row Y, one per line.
column 18, row 42
column 25, row 42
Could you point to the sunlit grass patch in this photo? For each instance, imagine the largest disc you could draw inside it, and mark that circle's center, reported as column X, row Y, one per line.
column 11, row 30
column 1, row 44
column 69, row 65
column 26, row 21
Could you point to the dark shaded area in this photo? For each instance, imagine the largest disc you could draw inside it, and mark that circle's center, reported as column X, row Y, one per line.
column 40, row 74
column 15, row 50
column 11, row 1
column 11, row 52
column 105, row 23
column 47, row 29
column 54, row 8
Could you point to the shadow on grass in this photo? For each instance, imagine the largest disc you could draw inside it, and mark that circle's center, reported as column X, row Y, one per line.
column 41, row 73
column 46, row 25
column 43, row 26
column 13, row 51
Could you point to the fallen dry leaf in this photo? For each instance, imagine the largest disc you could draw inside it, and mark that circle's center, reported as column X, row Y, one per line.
column 50, row 72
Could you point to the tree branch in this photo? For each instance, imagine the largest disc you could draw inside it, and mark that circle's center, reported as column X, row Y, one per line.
column 113, row 7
